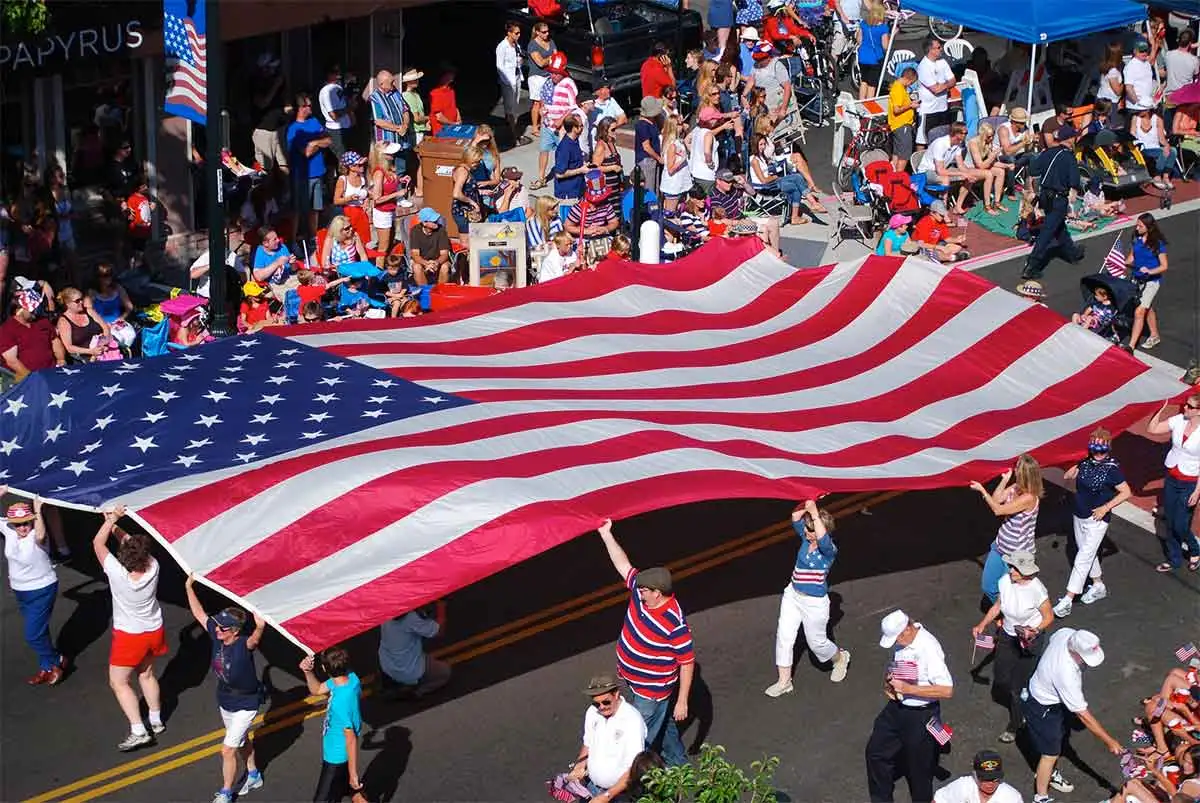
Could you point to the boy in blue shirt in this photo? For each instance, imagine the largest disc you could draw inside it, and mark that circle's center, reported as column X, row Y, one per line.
column 806, row 600
column 343, row 723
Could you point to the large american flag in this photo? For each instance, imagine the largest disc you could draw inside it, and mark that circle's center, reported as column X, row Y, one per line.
column 333, row 475
column 187, row 61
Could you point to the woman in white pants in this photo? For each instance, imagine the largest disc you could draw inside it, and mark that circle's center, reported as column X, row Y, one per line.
column 806, row 600
column 1099, row 487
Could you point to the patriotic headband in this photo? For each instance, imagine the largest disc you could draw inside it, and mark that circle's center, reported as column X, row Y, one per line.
column 1097, row 445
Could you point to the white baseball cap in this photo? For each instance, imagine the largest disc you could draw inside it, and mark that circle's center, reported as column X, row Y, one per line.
column 892, row 626
column 1086, row 645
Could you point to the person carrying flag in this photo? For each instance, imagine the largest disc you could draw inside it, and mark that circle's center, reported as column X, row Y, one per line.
column 1055, row 689
column 1148, row 258
column 806, row 600
column 1024, row 608
column 917, row 681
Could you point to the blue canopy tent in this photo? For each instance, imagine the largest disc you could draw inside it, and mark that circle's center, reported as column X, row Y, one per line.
column 1034, row 22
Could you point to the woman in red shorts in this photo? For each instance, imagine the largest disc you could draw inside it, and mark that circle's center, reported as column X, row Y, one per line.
column 138, row 636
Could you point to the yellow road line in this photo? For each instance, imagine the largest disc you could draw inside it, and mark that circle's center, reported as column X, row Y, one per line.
column 487, row 641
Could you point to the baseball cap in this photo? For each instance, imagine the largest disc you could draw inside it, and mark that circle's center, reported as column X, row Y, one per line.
column 1141, row 46
column 762, row 50
column 1086, row 645
column 939, row 208
column 1064, row 132
column 988, row 766
column 891, row 627
column 429, row 215
column 601, row 684
column 1022, row 561
column 725, row 174
column 228, row 619
column 19, row 512
column 749, row 34
column 656, row 578
column 252, row 289
column 585, row 97
column 898, row 220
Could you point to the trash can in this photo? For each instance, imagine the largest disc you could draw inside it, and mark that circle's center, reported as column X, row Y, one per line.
column 439, row 157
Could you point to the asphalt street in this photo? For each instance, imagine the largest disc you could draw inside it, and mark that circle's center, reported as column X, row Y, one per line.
column 523, row 642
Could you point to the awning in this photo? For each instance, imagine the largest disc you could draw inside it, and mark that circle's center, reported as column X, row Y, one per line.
column 1037, row 21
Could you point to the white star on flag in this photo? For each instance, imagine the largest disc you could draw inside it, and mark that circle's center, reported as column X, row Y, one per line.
column 240, row 357
column 53, row 434
column 172, row 377
column 246, row 457
column 191, row 357
column 247, row 343
column 15, row 405
column 101, row 423
column 318, row 417
column 91, row 447
column 228, row 380
column 197, row 444
column 330, row 380
column 289, row 352
column 273, row 398
column 187, row 460
column 254, row 439
column 153, row 418
column 128, row 468
column 262, row 418
column 287, row 364
column 111, row 390
column 372, row 413
column 49, row 461
column 312, row 436
column 216, row 395
column 379, row 399
column 208, row 420
column 433, row 399
column 325, row 398
column 337, row 366
column 78, row 467
column 383, row 383
column 233, row 369
column 8, row 447
column 143, row 443
column 165, row 396
column 279, row 380
column 59, row 399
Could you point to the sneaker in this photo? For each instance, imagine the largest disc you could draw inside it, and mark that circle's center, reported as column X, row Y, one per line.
column 157, row 727
column 254, row 780
column 54, row 676
column 778, row 689
column 1095, row 593
column 1008, row 737
column 1159, row 184
column 223, row 797
column 841, row 662
column 1057, row 781
column 1043, row 799
column 1150, row 343
column 1062, row 608
column 135, row 740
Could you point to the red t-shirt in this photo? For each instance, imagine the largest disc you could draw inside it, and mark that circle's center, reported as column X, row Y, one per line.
column 442, row 101
column 139, row 215
column 655, row 78
column 255, row 314
column 310, row 292
column 930, row 231
column 32, row 342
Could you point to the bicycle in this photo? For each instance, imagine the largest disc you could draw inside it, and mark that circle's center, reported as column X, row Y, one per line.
column 870, row 135
column 942, row 29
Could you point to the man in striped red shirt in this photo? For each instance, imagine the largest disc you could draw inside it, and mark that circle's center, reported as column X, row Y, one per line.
column 654, row 652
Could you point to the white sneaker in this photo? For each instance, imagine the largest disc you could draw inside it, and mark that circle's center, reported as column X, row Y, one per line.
column 1062, row 609
column 222, row 797
column 134, row 740
column 157, row 727
column 1159, row 184
column 841, row 663
column 778, row 689
column 1096, row 593
column 1043, row 799
column 254, row 780
column 1057, row 781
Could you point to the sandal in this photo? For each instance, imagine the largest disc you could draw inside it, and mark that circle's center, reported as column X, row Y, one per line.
column 991, row 210
column 537, row 185
column 1164, row 568
column 1194, row 563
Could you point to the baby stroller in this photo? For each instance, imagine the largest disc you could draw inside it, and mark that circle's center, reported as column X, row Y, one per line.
column 1125, row 297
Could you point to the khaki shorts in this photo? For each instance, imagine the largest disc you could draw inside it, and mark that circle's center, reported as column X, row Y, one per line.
column 268, row 150
column 1149, row 291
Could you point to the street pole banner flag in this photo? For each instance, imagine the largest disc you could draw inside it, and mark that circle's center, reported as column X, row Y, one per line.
column 333, row 475
column 186, row 48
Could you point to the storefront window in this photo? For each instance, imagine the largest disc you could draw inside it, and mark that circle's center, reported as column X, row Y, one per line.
column 99, row 116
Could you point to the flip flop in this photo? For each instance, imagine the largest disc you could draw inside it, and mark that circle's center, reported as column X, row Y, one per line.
column 1164, row 568
column 1193, row 564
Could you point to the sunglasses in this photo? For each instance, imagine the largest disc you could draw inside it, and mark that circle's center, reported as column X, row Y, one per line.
column 604, row 702
column 22, row 524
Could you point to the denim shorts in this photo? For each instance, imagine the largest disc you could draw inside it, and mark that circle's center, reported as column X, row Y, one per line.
column 310, row 194
column 547, row 140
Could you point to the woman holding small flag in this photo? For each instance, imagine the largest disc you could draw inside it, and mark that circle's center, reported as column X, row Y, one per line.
column 1017, row 505
column 1024, row 606
column 1148, row 258
column 1100, row 487
column 1181, row 486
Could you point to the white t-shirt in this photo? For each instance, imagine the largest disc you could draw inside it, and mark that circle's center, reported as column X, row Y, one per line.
column 941, row 150
column 1019, row 603
column 1139, row 75
column 926, row 653
column 29, row 566
column 135, row 602
column 202, row 261
column 333, row 98
column 612, row 742
column 1184, row 455
column 966, row 790
column 852, row 9
column 1106, row 91
column 930, row 73
column 555, row 265
column 1182, row 68
column 1058, row 677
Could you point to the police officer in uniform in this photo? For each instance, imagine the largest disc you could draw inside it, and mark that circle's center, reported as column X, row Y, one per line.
column 900, row 739
column 1058, row 174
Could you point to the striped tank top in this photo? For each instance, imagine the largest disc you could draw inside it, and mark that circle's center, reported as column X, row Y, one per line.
column 1017, row 531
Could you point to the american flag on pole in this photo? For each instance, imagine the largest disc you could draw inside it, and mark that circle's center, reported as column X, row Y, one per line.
column 1114, row 261
column 985, row 641
column 940, row 731
column 187, row 60
column 330, row 476
column 1186, row 652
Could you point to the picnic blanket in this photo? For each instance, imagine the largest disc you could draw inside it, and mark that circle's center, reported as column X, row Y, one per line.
column 1005, row 223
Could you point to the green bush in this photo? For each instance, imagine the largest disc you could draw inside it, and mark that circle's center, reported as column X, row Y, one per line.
column 23, row 17
column 712, row 779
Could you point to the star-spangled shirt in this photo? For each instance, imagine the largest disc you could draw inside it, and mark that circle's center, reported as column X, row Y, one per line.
column 95, row 432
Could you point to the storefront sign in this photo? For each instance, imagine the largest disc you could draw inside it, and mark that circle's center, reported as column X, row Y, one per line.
column 82, row 44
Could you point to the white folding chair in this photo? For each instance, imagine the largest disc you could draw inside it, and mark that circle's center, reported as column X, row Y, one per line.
column 958, row 49
column 897, row 58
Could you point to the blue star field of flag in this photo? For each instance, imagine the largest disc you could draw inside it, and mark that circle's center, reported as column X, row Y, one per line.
column 91, row 433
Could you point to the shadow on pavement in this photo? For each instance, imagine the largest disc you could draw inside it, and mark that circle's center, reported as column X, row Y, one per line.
column 393, row 748
column 187, row 668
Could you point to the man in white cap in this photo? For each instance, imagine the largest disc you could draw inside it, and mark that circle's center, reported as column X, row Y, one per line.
column 749, row 39
column 901, row 739
column 1055, row 689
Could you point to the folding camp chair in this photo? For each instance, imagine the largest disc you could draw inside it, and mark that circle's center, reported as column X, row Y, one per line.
column 855, row 221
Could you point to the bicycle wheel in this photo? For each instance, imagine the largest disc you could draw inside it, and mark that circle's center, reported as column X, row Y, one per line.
column 845, row 170
column 944, row 29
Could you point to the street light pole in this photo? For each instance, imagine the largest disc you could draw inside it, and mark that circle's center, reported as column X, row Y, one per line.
column 218, row 246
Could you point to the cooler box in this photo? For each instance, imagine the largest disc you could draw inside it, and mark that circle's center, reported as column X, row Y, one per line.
column 456, row 131
column 439, row 157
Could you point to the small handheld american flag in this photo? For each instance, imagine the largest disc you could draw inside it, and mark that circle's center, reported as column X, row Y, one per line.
column 1114, row 262
column 985, row 641
column 1186, row 652
column 904, row 670
column 940, row 731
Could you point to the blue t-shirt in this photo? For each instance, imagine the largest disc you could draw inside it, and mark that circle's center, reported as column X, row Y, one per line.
column 341, row 714
column 299, row 134
column 263, row 257
column 747, row 59
column 1096, row 485
column 237, row 679
column 871, row 51
column 402, row 647
column 896, row 238
column 1144, row 258
column 645, row 131
column 568, row 156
